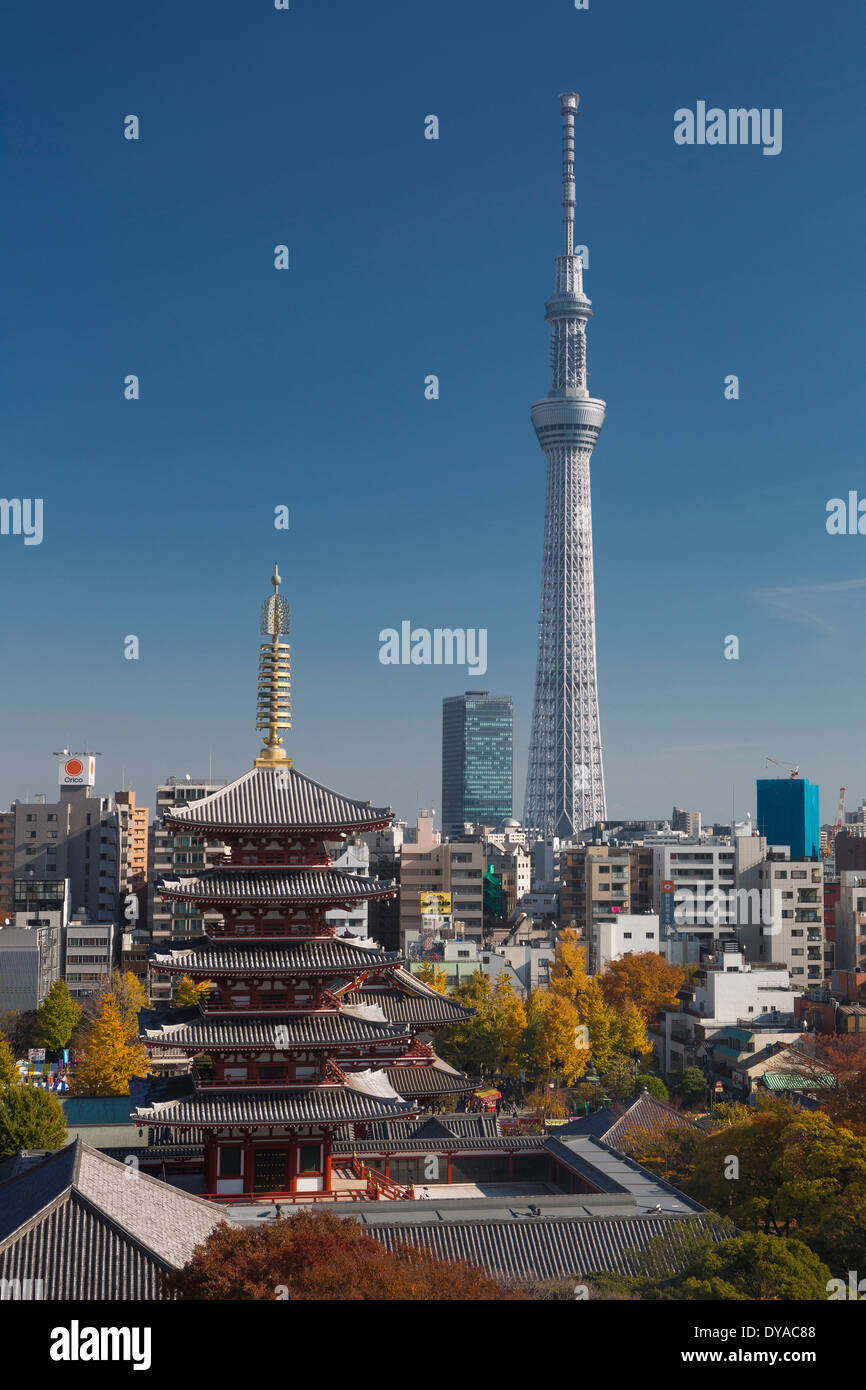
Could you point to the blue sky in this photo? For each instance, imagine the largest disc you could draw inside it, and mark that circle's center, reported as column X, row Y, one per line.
column 305, row 387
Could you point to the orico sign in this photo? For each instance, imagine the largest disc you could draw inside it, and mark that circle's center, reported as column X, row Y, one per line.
column 79, row 770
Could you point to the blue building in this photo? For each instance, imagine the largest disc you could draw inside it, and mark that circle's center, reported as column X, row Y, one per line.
column 788, row 814
column 477, row 759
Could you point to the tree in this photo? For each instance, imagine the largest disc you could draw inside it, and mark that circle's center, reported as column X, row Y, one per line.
column 18, row 1028
column 689, row 1086
column 56, row 1017
column 645, row 980
column 127, row 993
column 111, row 1056
column 551, row 1035
column 493, row 1033
column 653, row 1084
column 756, row 1267
column 315, row 1255
column 599, row 1017
column 30, row 1118
column 189, row 993
column 8, row 1070
column 429, row 973
column 568, row 975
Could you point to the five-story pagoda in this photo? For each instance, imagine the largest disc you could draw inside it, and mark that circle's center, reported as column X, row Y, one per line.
column 304, row 1034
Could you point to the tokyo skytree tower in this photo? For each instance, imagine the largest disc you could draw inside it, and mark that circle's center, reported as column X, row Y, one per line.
column 565, row 778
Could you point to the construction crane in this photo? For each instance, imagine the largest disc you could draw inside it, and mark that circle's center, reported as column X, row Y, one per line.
column 795, row 767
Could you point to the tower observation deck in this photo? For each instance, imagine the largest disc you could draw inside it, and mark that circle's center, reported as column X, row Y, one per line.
column 565, row 777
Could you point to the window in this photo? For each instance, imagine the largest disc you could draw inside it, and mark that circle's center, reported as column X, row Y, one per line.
column 30, row 818
column 230, row 1162
column 627, row 935
column 309, row 1158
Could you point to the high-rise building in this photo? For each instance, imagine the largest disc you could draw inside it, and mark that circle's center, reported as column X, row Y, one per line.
column 786, row 926
column 174, row 853
column 788, row 815
column 7, row 864
column 687, row 821
column 477, row 760
column 565, row 777
column 431, row 865
column 599, row 883
column 94, row 841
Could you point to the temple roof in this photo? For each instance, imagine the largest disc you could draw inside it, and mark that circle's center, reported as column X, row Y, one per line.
column 437, row 1079
column 190, row 1029
column 277, row 885
column 278, row 798
column 273, row 1107
column 329, row 955
column 410, row 1001
column 74, row 1220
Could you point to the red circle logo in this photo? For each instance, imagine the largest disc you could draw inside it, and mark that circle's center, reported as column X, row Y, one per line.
column 74, row 767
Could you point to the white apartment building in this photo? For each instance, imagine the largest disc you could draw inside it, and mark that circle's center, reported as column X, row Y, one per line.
column 88, row 955
column 698, row 872
column 851, row 921
column 792, row 898
column 627, row 934
column 727, row 992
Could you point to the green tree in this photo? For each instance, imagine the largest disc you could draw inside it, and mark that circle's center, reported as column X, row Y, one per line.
column 689, row 1086
column 56, row 1017
column 653, row 1084
column 30, row 1118
column 8, row 1072
column 756, row 1267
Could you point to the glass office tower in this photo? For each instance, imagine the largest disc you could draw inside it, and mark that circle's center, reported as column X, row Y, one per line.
column 788, row 814
column 477, row 757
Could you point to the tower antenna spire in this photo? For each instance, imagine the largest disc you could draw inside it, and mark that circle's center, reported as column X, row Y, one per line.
column 273, row 710
column 568, row 101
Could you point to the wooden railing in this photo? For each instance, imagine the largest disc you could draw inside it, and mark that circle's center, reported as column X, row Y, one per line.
column 378, row 1186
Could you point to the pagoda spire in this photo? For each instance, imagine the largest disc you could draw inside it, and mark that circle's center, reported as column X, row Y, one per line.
column 273, row 710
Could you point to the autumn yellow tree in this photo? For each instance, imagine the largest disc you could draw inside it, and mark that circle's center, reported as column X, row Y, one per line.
column 552, row 1022
column 432, row 975
column 599, row 1017
column 510, row 1023
column 111, row 1055
column 568, row 975
column 645, row 980
column 188, row 992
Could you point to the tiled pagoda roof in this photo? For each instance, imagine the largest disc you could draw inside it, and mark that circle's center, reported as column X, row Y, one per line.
column 277, row 798
column 410, row 1001
column 191, row 1029
column 331, row 1105
column 437, row 1079
column 328, row 955
column 277, row 885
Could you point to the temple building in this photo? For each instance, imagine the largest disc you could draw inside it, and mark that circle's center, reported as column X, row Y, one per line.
column 303, row 1036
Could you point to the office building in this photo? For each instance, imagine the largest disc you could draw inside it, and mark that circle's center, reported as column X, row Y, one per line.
column 477, row 760
column 788, row 815
column 783, row 921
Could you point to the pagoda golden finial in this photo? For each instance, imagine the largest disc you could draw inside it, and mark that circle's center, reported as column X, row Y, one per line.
column 273, row 711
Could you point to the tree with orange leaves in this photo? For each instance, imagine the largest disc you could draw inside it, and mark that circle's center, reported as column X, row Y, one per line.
column 645, row 980
column 316, row 1255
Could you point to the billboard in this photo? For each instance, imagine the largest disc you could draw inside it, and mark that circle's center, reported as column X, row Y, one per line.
column 436, row 903
column 77, row 770
column 667, row 887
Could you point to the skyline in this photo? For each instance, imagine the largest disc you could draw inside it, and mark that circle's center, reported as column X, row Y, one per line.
column 157, row 258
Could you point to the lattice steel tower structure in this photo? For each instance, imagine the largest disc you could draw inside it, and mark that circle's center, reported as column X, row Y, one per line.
column 565, row 779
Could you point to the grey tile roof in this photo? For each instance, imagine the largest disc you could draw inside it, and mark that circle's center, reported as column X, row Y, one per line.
column 459, row 1126
column 278, row 798
column 610, row 1171
column 272, row 1107
column 277, row 885
column 330, row 955
column 189, row 1028
column 645, row 1113
column 435, row 1080
column 543, row 1248
column 90, row 1227
column 410, row 1001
